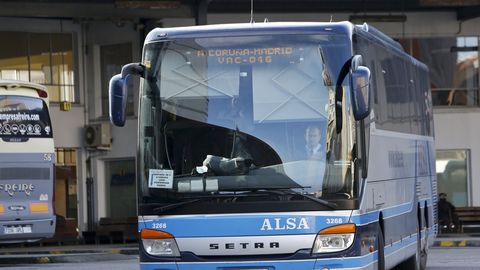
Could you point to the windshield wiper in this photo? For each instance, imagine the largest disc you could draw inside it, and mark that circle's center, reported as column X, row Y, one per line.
column 167, row 207
column 171, row 206
column 276, row 191
column 291, row 191
column 315, row 199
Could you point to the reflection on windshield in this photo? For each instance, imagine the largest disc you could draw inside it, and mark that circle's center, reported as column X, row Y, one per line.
column 256, row 116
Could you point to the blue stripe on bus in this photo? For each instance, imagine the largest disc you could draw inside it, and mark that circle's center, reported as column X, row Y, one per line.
column 387, row 213
column 401, row 244
column 270, row 265
column 237, row 225
column 370, row 217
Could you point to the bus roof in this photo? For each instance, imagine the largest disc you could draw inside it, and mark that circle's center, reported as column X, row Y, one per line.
column 159, row 34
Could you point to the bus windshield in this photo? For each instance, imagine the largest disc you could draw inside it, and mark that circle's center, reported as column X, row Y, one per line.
column 246, row 119
column 24, row 117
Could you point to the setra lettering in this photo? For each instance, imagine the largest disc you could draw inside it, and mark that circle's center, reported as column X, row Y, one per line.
column 243, row 245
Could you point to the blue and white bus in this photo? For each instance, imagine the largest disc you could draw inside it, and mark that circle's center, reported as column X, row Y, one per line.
column 227, row 116
column 27, row 160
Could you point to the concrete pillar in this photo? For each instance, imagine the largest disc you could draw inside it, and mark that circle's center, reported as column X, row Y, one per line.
column 201, row 10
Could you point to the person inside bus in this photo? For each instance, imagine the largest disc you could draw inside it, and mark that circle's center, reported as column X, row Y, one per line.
column 313, row 149
column 308, row 166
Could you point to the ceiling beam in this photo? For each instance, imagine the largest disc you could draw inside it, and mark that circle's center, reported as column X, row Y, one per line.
column 449, row 3
column 464, row 14
column 330, row 6
column 201, row 11
column 158, row 9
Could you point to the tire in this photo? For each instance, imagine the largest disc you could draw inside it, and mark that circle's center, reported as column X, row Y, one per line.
column 381, row 251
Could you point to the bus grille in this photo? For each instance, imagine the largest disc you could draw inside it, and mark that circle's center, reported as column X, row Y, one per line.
column 21, row 173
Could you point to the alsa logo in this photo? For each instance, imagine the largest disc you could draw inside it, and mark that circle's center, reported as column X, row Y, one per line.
column 280, row 224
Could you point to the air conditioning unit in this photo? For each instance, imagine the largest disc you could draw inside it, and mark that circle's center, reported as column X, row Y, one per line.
column 98, row 135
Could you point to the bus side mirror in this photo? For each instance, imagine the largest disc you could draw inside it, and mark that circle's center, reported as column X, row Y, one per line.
column 361, row 92
column 118, row 92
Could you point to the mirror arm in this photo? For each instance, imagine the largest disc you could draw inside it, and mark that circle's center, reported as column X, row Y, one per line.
column 363, row 150
column 357, row 61
column 339, row 94
column 133, row 69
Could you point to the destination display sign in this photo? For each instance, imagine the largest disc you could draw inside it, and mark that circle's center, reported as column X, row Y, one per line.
column 246, row 55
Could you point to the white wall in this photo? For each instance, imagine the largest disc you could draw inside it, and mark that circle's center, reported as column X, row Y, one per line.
column 106, row 33
column 124, row 139
column 67, row 126
column 459, row 129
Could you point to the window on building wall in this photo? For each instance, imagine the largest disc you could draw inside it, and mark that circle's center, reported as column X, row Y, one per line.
column 44, row 58
column 120, row 188
column 452, row 175
column 113, row 57
column 453, row 64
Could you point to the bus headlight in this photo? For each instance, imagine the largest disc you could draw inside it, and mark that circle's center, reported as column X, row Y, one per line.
column 333, row 239
column 158, row 243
